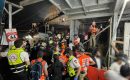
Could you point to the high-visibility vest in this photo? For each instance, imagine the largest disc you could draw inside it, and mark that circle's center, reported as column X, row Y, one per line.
column 63, row 59
column 84, row 61
column 43, row 77
column 70, row 70
column 15, row 61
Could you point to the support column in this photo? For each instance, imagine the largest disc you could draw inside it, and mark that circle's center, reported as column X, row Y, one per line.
column 74, row 28
column 10, row 16
column 71, row 29
column 114, row 30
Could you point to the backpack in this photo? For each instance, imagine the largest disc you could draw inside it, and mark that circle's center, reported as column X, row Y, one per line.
column 36, row 70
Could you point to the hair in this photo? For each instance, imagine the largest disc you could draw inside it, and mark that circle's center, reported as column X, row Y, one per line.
column 40, row 54
column 3, row 48
column 18, row 43
column 122, row 57
column 125, row 70
column 56, row 57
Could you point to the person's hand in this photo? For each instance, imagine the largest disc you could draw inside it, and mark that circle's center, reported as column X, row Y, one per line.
column 75, row 78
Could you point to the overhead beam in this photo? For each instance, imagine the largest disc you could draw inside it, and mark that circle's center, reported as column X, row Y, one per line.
column 29, row 2
column 57, row 5
column 92, row 10
column 67, row 1
column 90, row 15
column 15, row 5
column 83, row 5
column 118, row 5
column 125, row 19
column 99, row 5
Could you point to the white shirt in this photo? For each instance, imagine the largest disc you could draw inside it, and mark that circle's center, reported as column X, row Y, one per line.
column 46, row 66
column 98, row 60
column 112, row 75
column 74, row 63
column 24, row 56
column 71, row 46
column 116, row 67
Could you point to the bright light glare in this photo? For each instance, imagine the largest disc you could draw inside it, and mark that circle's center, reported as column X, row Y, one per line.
column 127, row 0
column 28, row 37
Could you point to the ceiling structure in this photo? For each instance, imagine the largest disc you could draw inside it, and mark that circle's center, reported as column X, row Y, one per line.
column 25, row 2
column 88, row 10
column 84, row 10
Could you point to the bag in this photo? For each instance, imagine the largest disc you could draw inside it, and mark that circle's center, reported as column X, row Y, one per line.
column 36, row 70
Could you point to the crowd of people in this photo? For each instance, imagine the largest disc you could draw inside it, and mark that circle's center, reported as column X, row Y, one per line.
column 59, row 58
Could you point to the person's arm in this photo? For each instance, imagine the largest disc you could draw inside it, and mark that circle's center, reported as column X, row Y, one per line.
column 77, row 65
column 25, row 57
column 92, row 62
column 114, row 45
column 27, row 63
column 46, row 72
column 78, row 71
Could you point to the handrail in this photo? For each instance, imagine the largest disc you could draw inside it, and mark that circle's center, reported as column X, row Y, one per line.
column 98, row 33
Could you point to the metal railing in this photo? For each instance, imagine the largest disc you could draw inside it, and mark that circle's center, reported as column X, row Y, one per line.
column 98, row 33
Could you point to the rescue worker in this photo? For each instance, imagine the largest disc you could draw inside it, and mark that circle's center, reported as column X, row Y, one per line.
column 93, row 30
column 18, row 59
column 57, row 68
column 64, row 59
column 44, row 66
column 73, row 66
column 63, row 46
column 84, row 61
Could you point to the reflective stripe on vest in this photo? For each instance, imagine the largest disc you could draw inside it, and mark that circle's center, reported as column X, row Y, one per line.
column 15, row 61
column 14, row 56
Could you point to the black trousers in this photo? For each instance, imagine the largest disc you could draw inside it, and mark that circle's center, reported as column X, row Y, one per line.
column 71, row 78
column 19, row 76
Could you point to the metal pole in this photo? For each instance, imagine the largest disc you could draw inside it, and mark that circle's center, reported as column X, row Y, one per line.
column 121, row 13
column 110, row 39
column 98, row 33
column 10, row 16
column 15, row 5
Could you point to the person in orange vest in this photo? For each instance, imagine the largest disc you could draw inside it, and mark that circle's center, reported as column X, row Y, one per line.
column 63, row 46
column 84, row 61
column 93, row 30
column 42, row 64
